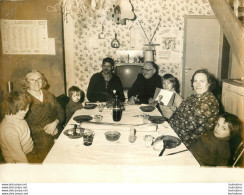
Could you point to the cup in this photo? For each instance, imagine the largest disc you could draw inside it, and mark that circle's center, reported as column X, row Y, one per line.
column 100, row 107
column 148, row 139
column 98, row 118
column 88, row 137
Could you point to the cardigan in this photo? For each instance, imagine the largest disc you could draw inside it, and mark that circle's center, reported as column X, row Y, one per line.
column 15, row 139
column 98, row 91
column 145, row 88
column 40, row 114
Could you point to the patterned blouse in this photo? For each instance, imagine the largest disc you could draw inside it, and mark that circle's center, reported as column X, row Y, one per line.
column 196, row 115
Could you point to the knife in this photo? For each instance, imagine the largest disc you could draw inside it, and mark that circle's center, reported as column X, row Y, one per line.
column 176, row 152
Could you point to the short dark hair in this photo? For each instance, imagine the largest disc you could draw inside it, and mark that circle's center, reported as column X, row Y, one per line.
column 210, row 77
column 109, row 60
column 74, row 89
column 14, row 102
column 234, row 123
column 173, row 80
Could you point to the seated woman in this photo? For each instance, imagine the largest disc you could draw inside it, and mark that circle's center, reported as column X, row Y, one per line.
column 145, row 84
column 213, row 148
column 199, row 112
column 169, row 83
column 15, row 137
column 45, row 117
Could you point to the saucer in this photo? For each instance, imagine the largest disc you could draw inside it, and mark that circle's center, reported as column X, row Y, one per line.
column 70, row 133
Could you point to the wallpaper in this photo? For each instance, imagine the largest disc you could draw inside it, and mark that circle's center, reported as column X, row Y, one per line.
column 159, row 20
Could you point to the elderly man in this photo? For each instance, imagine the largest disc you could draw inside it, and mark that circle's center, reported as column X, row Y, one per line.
column 102, row 84
column 145, row 84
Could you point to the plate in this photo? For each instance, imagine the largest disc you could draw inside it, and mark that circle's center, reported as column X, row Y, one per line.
column 147, row 108
column 169, row 140
column 70, row 133
column 157, row 119
column 90, row 106
column 82, row 118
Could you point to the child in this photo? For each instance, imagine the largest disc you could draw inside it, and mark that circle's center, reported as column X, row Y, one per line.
column 170, row 83
column 213, row 148
column 74, row 102
column 15, row 138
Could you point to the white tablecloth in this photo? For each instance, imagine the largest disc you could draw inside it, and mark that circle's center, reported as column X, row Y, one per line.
column 120, row 152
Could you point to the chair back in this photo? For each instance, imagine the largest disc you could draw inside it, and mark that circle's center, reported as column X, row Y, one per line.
column 238, row 156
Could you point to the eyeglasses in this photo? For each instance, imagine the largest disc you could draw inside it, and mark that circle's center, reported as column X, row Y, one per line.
column 146, row 70
column 33, row 81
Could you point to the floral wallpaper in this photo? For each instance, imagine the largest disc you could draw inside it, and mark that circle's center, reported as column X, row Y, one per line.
column 94, row 32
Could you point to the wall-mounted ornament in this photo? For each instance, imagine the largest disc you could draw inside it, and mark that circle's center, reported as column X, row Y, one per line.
column 122, row 10
column 115, row 42
column 102, row 35
column 150, row 51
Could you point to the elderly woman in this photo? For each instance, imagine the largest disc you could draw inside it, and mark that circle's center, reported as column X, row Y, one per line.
column 145, row 84
column 198, row 113
column 45, row 117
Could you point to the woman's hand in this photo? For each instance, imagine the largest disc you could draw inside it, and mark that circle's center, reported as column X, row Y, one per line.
column 51, row 127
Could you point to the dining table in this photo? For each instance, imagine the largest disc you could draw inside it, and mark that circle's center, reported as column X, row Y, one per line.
column 70, row 150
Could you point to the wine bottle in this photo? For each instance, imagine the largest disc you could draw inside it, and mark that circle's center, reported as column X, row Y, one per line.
column 117, row 110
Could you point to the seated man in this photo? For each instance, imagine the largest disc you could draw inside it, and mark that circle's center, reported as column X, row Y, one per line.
column 145, row 84
column 102, row 84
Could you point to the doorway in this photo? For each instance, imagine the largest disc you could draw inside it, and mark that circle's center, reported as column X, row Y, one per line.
column 202, row 48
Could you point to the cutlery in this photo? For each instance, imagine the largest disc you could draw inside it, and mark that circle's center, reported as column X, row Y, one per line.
column 162, row 151
column 176, row 152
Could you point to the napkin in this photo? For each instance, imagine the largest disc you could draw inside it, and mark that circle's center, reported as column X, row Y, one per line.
column 149, row 127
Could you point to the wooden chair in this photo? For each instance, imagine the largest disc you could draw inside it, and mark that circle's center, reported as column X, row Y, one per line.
column 237, row 160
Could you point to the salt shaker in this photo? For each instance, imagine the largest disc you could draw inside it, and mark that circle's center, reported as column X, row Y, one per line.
column 132, row 136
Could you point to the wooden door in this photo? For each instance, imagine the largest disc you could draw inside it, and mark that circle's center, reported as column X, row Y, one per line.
column 202, row 41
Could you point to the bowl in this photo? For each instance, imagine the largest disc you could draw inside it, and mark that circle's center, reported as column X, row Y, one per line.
column 147, row 108
column 112, row 135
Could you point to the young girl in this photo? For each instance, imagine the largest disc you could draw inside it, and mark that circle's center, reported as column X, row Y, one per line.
column 15, row 139
column 170, row 83
column 214, row 148
column 74, row 102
